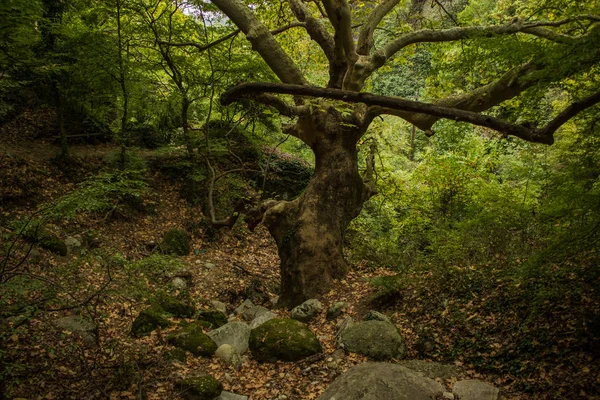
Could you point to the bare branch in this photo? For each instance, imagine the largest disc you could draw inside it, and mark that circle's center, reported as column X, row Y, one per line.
column 391, row 105
column 365, row 38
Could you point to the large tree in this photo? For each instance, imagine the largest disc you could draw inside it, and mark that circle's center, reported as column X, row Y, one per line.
column 309, row 230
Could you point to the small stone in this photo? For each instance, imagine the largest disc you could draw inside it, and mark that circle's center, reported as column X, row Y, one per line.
column 85, row 328
column 179, row 283
column 215, row 318
column 243, row 307
column 229, row 355
column 336, row 309
column 274, row 300
column 231, row 396
column 448, row 396
column 252, row 312
column 307, row 310
column 261, row 319
column 376, row 316
column 235, row 333
column 192, row 339
column 148, row 320
column 219, row 306
column 73, row 245
column 209, row 265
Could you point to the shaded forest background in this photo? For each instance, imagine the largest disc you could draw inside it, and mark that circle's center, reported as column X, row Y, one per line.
column 111, row 131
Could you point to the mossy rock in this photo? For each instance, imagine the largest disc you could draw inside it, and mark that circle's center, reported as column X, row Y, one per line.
column 53, row 243
column 176, row 242
column 215, row 319
column 199, row 388
column 378, row 340
column 150, row 319
column 191, row 338
column 283, row 339
column 174, row 306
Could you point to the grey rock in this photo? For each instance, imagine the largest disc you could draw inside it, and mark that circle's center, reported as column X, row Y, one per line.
column 377, row 381
column 376, row 316
column 307, row 310
column 210, row 265
column 342, row 326
column 336, row 309
column 231, row 396
column 472, row 389
column 261, row 319
column 229, row 355
column 235, row 333
column 448, row 396
column 179, row 283
column 283, row 339
column 252, row 312
column 219, row 306
column 274, row 300
column 85, row 328
column 431, row 369
column 243, row 307
column 375, row 339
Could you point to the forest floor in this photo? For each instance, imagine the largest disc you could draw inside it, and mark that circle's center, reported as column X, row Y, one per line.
column 43, row 362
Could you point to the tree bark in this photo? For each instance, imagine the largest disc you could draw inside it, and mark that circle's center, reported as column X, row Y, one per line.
column 309, row 230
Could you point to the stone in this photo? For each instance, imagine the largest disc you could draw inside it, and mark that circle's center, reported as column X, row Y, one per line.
column 203, row 387
column 431, row 369
column 210, row 265
column 378, row 381
column 283, row 339
column 73, row 245
column 377, row 316
column 243, row 307
column 274, row 300
column 80, row 326
column 448, row 396
column 216, row 318
column 49, row 241
column 261, row 319
column 235, row 333
column 231, row 396
column 191, row 338
column 219, row 306
column 472, row 389
column 342, row 326
column 176, row 242
column 377, row 340
column 229, row 355
column 307, row 310
column 179, row 283
column 252, row 312
column 148, row 320
column 174, row 306
column 336, row 309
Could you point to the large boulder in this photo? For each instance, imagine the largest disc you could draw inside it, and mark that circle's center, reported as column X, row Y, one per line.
column 378, row 381
column 472, row 389
column 191, row 338
column 148, row 320
column 307, row 310
column 203, row 387
column 235, row 333
column 283, row 339
column 176, row 242
column 431, row 369
column 375, row 339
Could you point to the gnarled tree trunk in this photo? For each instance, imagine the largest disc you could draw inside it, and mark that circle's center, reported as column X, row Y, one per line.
column 309, row 230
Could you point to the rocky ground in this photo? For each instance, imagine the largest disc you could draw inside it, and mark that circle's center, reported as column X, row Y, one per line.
column 53, row 352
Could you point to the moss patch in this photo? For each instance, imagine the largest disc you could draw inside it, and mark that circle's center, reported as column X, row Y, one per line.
column 149, row 320
column 192, row 339
column 174, row 306
column 199, row 388
column 214, row 318
column 176, row 242
column 283, row 339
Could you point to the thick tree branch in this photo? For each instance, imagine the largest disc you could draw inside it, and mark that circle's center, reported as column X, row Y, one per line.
column 365, row 38
column 391, row 105
column 340, row 16
column 281, row 106
column 262, row 41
